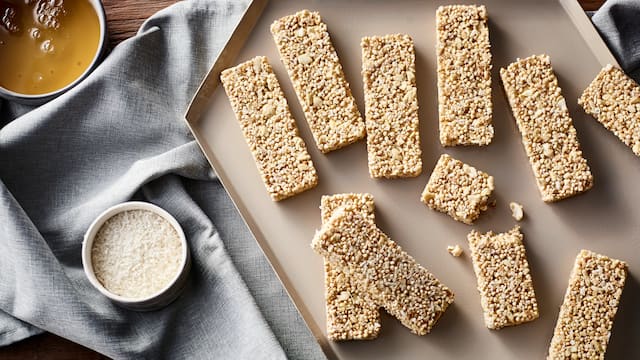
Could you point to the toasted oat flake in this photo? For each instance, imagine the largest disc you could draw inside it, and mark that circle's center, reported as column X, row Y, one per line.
column 136, row 253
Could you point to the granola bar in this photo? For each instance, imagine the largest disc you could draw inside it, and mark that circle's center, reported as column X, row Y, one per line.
column 464, row 75
column 269, row 129
column 458, row 189
column 548, row 135
column 589, row 307
column 504, row 281
column 314, row 68
column 391, row 106
column 613, row 99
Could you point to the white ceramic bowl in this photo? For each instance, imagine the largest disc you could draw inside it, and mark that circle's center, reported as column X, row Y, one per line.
column 42, row 98
column 155, row 301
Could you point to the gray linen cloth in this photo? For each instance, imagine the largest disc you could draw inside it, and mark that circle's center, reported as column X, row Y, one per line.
column 118, row 136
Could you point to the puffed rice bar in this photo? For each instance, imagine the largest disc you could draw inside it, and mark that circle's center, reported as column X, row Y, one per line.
column 315, row 71
column 391, row 106
column 504, row 282
column 548, row 135
column 394, row 279
column 351, row 313
column 464, row 75
column 458, row 189
column 613, row 99
column 590, row 305
column 269, row 129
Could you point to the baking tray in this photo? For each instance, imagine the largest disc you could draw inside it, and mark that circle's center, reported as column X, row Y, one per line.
column 604, row 219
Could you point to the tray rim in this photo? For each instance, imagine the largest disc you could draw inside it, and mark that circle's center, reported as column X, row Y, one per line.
column 198, row 106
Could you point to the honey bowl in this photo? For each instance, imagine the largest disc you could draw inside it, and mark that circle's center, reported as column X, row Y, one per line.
column 48, row 46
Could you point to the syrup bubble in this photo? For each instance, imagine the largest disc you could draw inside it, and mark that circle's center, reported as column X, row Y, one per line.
column 35, row 33
column 47, row 47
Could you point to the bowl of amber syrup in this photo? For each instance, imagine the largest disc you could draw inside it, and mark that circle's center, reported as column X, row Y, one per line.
column 48, row 46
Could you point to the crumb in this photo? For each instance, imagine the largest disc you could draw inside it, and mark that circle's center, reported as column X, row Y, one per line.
column 454, row 250
column 516, row 210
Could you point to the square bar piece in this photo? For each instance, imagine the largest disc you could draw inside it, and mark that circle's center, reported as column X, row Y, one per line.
column 391, row 106
column 351, row 313
column 464, row 75
column 269, row 129
column 393, row 278
column 315, row 71
column 613, row 99
column 504, row 281
column 548, row 135
column 589, row 307
column 458, row 189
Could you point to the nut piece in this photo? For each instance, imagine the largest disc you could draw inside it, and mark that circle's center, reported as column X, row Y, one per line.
column 351, row 314
column 613, row 99
column 464, row 75
column 504, row 281
column 548, row 135
column 457, row 189
column 516, row 211
column 314, row 69
column 392, row 277
column 269, row 129
column 391, row 106
column 589, row 307
column 454, row 250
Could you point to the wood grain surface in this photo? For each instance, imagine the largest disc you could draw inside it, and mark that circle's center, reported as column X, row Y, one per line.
column 124, row 18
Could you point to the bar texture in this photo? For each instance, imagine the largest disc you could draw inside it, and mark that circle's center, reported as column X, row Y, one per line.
column 351, row 313
column 504, row 282
column 548, row 135
column 394, row 279
column 315, row 71
column 613, row 99
column 589, row 307
column 269, row 129
column 464, row 75
column 457, row 189
column 391, row 106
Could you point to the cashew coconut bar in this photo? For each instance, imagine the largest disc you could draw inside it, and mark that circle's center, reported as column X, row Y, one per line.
column 548, row 135
column 269, row 129
column 315, row 71
column 589, row 307
column 391, row 106
column 393, row 278
column 504, row 281
column 464, row 75
column 613, row 99
column 458, row 189
column 351, row 313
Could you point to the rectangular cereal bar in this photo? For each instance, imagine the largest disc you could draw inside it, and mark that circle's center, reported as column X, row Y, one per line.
column 504, row 281
column 393, row 278
column 464, row 75
column 613, row 99
column 315, row 71
column 269, row 129
column 589, row 307
column 548, row 135
column 391, row 106
column 458, row 189
column 351, row 313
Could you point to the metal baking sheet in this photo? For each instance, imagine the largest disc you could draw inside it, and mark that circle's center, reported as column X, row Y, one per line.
column 604, row 219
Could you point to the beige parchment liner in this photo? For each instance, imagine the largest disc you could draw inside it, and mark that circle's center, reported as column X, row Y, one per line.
column 606, row 219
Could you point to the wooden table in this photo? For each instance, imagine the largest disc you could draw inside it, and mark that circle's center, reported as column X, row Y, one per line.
column 124, row 18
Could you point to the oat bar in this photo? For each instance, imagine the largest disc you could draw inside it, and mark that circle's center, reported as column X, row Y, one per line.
column 548, row 135
column 464, row 75
column 589, row 307
column 458, row 189
column 504, row 281
column 315, row 71
column 391, row 106
column 394, row 279
column 613, row 99
column 351, row 313
column 269, row 129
